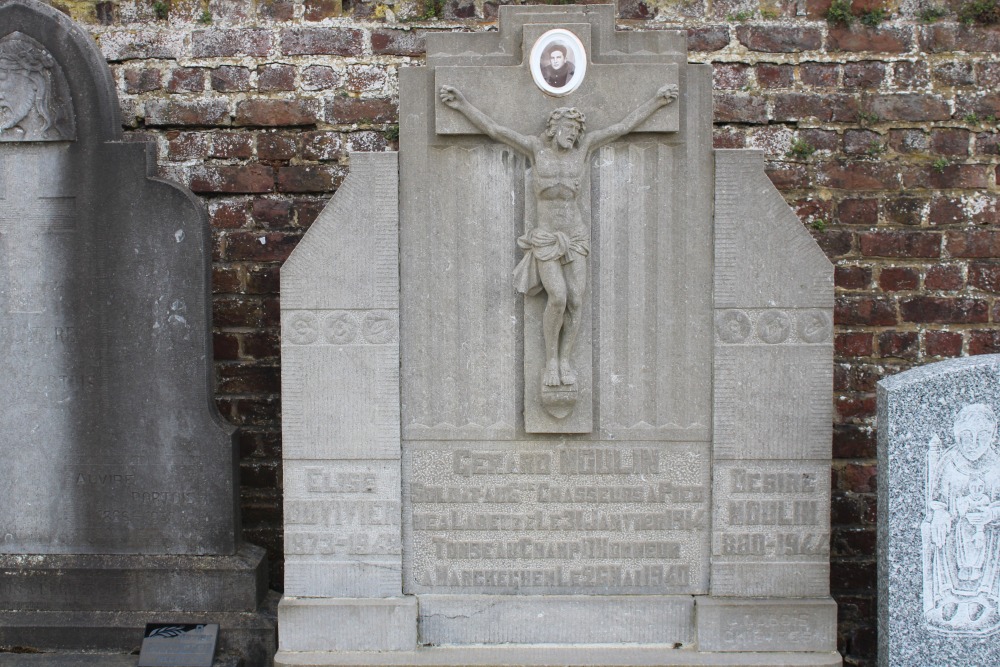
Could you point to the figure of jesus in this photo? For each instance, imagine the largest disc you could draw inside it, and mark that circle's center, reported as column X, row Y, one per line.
column 556, row 250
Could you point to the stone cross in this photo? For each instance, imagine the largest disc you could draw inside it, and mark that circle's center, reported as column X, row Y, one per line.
column 607, row 95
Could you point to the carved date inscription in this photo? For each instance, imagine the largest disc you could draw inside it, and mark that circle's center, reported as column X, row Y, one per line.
column 580, row 517
column 342, row 508
column 772, row 511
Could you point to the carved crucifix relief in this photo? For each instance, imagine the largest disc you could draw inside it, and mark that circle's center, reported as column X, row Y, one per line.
column 556, row 249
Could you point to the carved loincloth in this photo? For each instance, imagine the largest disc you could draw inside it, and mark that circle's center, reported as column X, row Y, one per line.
column 542, row 245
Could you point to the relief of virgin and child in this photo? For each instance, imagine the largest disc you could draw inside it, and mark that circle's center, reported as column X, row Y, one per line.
column 961, row 529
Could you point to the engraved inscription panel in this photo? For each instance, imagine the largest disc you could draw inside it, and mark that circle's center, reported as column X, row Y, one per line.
column 342, row 534
column 771, row 533
column 37, row 218
column 567, row 518
column 42, row 337
column 127, row 497
column 771, row 510
column 127, row 503
column 766, row 625
column 342, row 508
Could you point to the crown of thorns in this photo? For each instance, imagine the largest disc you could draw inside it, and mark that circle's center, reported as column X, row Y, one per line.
column 565, row 113
column 24, row 57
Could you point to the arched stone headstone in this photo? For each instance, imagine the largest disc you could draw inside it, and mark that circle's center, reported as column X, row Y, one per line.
column 119, row 477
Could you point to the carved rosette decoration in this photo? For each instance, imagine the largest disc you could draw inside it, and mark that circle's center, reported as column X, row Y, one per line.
column 35, row 104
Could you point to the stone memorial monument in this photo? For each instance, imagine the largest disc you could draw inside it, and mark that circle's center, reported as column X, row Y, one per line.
column 118, row 484
column 939, row 514
column 561, row 379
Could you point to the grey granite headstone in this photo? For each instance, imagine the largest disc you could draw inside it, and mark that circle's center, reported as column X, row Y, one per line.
column 119, row 477
column 605, row 419
column 939, row 515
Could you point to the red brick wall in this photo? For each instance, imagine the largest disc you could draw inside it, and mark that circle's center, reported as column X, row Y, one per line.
column 882, row 138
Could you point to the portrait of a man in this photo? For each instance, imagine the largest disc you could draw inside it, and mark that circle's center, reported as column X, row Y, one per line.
column 560, row 67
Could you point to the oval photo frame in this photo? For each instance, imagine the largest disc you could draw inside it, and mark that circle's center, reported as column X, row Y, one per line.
column 558, row 75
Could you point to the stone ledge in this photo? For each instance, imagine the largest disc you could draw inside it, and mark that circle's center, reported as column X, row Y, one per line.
column 556, row 619
column 134, row 582
column 563, row 656
column 349, row 624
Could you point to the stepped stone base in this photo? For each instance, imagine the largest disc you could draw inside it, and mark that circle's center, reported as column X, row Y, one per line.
column 248, row 635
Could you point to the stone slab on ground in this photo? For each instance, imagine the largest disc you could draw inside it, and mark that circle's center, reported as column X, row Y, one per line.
column 939, row 515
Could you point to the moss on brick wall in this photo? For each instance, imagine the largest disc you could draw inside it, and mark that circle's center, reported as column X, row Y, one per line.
column 880, row 129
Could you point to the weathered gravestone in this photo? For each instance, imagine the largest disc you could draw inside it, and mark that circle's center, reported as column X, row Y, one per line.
column 118, row 477
column 939, row 515
column 633, row 456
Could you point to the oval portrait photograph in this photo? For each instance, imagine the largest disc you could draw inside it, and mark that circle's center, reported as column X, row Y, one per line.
column 558, row 62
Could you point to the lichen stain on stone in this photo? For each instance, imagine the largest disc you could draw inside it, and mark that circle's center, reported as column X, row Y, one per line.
column 672, row 8
column 84, row 11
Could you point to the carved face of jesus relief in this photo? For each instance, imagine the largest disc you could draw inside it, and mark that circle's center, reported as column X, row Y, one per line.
column 567, row 132
column 35, row 101
column 17, row 96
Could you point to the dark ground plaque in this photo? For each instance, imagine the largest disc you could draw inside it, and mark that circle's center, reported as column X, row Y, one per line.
column 179, row 645
column 119, row 479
